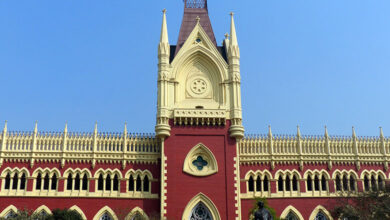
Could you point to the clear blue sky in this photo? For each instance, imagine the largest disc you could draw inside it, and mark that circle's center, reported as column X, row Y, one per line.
column 307, row 63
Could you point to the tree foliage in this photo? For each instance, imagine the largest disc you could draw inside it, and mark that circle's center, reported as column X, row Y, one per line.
column 367, row 205
column 270, row 209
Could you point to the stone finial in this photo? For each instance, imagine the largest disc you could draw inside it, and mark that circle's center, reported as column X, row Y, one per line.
column 164, row 29
column 197, row 19
column 5, row 127
column 326, row 132
column 381, row 132
column 269, row 131
column 226, row 36
column 95, row 130
column 353, row 132
column 66, row 127
column 36, row 127
column 233, row 35
column 298, row 131
column 125, row 129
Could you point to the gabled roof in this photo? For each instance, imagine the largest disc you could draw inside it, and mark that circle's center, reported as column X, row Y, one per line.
column 192, row 10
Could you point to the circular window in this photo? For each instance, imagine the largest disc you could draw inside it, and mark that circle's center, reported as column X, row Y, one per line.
column 198, row 86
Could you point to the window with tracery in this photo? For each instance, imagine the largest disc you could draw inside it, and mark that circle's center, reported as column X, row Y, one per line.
column 106, row 216
column 137, row 217
column 321, row 216
column 10, row 215
column 291, row 216
column 200, row 212
column 258, row 183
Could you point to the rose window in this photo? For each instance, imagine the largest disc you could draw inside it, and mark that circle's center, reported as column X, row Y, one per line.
column 198, row 86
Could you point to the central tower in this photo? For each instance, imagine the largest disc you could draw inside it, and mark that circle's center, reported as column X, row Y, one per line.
column 199, row 119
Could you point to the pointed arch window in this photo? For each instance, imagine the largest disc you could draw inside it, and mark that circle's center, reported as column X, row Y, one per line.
column 100, row 182
column 46, row 182
column 54, row 182
column 137, row 216
column 324, row 183
column 316, row 183
column 10, row 215
column 345, row 183
column 15, row 181
column 309, row 184
column 366, row 183
column 380, row 183
column 321, row 216
column 373, row 183
column 338, row 183
column 295, row 183
column 258, row 184
column 288, row 186
column 85, row 182
column 69, row 182
column 138, row 184
column 116, row 183
column 250, row 184
column 131, row 183
column 106, row 216
column 265, row 184
column 7, row 181
column 108, row 183
column 280, row 183
column 23, row 181
column 291, row 216
column 77, row 182
column 200, row 211
column 38, row 182
column 146, row 184
column 352, row 183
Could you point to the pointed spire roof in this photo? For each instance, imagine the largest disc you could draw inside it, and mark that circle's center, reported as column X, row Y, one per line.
column 233, row 35
column 164, row 29
column 192, row 10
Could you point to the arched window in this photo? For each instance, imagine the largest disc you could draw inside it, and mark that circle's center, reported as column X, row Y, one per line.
column 366, row 183
column 380, row 183
column 131, row 183
column 338, row 183
column 288, row 187
column 108, row 183
column 38, row 182
column 7, row 181
column 137, row 216
column 106, row 216
column 15, row 181
column 295, row 183
column 321, row 216
column 258, row 184
column 352, row 183
column 309, row 184
column 23, row 181
column 280, row 183
column 10, row 215
column 200, row 211
column 265, row 184
column 69, row 182
column 291, row 216
column 100, row 182
column 250, row 184
column 116, row 183
column 46, row 182
column 54, row 182
column 77, row 182
column 345, row 183
column 324, row 183
column 373, row 183
column 138, row 184
column 85, row 182
column 146, row 184
column 316, row 183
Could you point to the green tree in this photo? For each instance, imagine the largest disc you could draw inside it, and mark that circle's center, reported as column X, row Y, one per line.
column 367, row 205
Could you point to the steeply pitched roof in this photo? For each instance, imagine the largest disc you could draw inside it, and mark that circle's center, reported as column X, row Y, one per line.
column 192, row 10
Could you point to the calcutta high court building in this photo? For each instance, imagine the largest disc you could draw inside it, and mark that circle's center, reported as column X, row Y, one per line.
column 199, row 164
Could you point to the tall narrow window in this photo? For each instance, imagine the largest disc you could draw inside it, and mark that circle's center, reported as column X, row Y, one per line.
column 85, row 182
column 338, row 183
column 280, row 183
column 373, row 183
column 250, row 184
column 77, row 182
column 23, row 181
column 7, row 181
column 146, row 184
column 69, row 182
column 116, row 183
column 288, row 187
column 323, row 183
column 46, row 182
column 345, row 183
column 380, row 183
column 138, row 183
column 309, row 184
column 265, row 184
column 352, row 183
column 15, row 181
column 295, row 183
column 54, row 182
column 131, row 183
column 108, row 183
column 316, row 183
column 258, row 184
column 100, row 182
column 38, row 182
column 366, row 183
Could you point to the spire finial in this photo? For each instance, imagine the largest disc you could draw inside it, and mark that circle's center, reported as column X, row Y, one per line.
column 164, row 29
column 5, row 127
column 95, row 130
column 197, row 19
column 326, row 131
column 381, row 132
column 66, row 127
column 298, row 131
column 233, row 35
column 353, row 132
column 36, row 127
column 226, row 36
column 125, row 129
column 269, row 131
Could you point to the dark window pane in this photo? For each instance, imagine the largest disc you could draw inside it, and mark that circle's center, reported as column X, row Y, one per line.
column 108, row 183
column 280, row 183
column 116, row 183
column 316, row 183
column 146, row 184
column 23, row 182
column 100, row 182
column 138, row 183
column 309, row 184
column 345, row 183
column 338, row 183
column 15, row 181
column 54, row 182
column 85, row 182
column 69, row 182
column 323, row 183
column 366, row 183
column 258, row 184
column 265, row 184
column 46, row 182
column 77, row 182
column 373, row 183
column 295, row 183
column 380, row 183
column 250, row 184
column 39, row 182
column 352, row 183
column 288, row 188
column 131, row 183
column 7, row 181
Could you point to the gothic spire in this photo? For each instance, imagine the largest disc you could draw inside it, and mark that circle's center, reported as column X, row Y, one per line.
column 164, row 29
column 233, row 35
